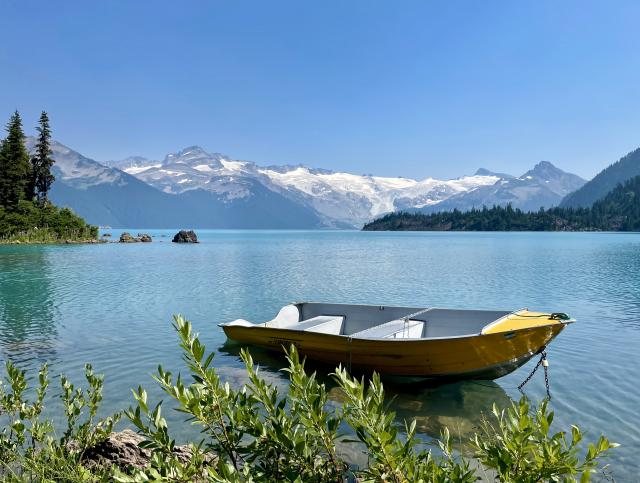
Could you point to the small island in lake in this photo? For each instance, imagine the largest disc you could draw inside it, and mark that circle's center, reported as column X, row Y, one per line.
column 26, row 214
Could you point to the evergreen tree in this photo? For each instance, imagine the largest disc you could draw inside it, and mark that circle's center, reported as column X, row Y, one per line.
column 14, row 164
column 41, row 162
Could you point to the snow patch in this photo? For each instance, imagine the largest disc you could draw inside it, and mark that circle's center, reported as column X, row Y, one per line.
column 140, row 169
column 233, row 165
column 378, row 194
column 205, row 168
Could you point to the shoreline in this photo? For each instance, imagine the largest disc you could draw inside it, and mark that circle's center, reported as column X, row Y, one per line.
column 53, row 242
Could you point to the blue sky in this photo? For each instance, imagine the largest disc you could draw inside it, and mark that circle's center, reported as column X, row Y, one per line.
column 405, row 88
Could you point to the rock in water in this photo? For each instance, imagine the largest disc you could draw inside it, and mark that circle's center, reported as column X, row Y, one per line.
column 126, row 238
column 184, row 236
column 144, row 237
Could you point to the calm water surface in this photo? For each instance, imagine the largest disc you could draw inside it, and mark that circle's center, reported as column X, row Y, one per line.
column 112, row 304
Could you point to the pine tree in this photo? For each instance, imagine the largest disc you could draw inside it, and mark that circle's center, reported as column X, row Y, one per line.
column 41, row 162
column 14, row 164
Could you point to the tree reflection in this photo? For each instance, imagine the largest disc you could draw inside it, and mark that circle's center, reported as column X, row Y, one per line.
column 27, row 326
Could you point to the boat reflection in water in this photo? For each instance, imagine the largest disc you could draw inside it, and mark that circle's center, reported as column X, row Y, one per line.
column 459, row 406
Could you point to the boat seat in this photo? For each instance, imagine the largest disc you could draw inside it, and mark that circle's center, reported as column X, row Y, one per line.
column 288, row 315
column 324, row 324
column 394, row 329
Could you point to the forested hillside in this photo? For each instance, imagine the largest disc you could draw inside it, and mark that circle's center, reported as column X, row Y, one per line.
column 605, row 181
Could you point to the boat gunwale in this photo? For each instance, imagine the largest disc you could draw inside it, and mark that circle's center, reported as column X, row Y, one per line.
column 400, row 340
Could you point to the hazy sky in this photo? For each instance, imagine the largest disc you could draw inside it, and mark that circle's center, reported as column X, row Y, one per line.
column 392, row 88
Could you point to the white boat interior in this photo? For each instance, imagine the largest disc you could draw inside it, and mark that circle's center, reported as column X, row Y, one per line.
column 380, row 322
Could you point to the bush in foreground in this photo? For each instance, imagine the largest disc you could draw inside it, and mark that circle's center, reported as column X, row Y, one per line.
column 259, row 434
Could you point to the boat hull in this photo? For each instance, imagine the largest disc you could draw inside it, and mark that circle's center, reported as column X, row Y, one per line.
column 486, row 356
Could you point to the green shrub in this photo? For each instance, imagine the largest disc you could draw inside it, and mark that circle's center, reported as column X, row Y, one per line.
column 29, row 222
column 30, row 447
column 258, row 434
column 520, row 446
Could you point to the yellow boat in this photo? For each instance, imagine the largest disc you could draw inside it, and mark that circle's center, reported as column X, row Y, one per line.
column 407, row 341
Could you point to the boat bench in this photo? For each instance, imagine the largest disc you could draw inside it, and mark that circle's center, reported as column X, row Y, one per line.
column 325, row 324
column 394, row 329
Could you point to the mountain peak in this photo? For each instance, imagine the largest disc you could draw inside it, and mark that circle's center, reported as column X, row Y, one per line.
column 546, row 174
column 546, row 166
column 545, row 170
column 194, row 150
column 194, row 156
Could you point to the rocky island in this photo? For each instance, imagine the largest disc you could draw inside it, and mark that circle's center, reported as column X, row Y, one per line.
column 185, row 236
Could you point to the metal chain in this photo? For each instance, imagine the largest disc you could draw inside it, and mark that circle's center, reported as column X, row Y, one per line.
column 544, row 363
column 545, row 366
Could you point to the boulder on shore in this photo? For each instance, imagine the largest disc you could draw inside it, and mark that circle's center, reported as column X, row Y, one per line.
column 123, row 450
column 184, row 236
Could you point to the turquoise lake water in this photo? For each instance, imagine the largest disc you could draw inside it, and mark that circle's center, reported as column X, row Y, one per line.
column 112, row 304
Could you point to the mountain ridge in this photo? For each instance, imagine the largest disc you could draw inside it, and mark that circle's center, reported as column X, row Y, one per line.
column 340, row 197
column 544, row 186
column 108, row 196
column 193, row 187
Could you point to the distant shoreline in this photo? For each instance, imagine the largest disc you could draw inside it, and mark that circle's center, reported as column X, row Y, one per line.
column 89, row 241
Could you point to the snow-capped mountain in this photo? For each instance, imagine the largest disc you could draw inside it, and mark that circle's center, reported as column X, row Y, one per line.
column 192, row 168
column 339, row 198
column 105, row 195
column 356, row 199
column 198, row 189
column 543, row 186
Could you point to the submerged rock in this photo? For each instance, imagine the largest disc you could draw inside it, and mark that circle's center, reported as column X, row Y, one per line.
column 184, row 236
